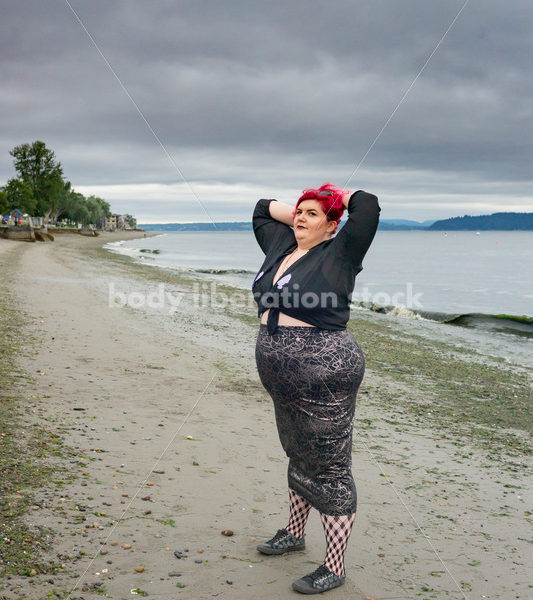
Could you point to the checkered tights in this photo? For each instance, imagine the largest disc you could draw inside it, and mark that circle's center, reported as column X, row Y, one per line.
column 337, row 531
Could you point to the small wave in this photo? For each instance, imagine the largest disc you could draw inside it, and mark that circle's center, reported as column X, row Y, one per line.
column 225, row 271
column 119, row 248
column 520, row 325
column 406, row 313
column 395, row 311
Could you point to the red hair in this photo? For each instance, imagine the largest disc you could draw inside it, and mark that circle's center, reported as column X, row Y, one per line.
column 331, row 204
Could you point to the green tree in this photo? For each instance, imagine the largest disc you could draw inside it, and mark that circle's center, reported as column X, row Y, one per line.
column 37, row 167
column 104, row 206
column 65, row 200
column 19, row 195
column 98, row 209
column 74, row 207
column 4, row 205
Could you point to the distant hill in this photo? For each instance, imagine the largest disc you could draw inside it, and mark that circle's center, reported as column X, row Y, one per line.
column 385, row 224
column 401, row 225
column 223, row 226
column 408, row 222
column 504, row 221
column 507, row 221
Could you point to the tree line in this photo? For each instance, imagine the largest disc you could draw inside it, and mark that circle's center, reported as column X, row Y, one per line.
column 503, row 221
column 41, row 190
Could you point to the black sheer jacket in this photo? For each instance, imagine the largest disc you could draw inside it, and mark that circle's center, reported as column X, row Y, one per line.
column 317, row 288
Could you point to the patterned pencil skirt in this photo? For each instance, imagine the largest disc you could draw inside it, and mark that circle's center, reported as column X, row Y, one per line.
column 313, row 376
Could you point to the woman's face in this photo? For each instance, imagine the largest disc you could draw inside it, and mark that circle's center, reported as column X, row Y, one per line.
column 311, row 225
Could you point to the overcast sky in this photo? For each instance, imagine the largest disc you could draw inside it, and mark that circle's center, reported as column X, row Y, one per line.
column 263, row 99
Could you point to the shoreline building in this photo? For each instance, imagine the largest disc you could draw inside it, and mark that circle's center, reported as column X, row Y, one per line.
column 116, row 221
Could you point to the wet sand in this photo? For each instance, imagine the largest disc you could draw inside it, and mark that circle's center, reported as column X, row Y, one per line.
column 174, row 440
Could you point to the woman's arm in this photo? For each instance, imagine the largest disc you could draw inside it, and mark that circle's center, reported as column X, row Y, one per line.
column 282, row 212
column 356, row 235
column 271, row 233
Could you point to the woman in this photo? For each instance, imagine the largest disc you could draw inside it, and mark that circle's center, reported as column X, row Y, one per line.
column 309, row 363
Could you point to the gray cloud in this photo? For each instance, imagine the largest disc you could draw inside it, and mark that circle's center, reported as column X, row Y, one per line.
column 277, row 95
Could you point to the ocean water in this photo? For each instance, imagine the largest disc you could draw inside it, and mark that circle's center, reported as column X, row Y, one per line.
column 460, row 278
column 455, row 273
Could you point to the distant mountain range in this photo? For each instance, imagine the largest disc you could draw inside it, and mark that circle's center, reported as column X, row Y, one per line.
column 503, row 221
column 403, row 224
column 221, row 226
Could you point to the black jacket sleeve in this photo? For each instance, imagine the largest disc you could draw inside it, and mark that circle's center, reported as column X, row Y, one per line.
column 353, row 240
column 270, row 233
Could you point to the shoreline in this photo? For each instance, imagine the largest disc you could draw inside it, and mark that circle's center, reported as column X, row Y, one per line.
column 516, row 325
column 137, row 373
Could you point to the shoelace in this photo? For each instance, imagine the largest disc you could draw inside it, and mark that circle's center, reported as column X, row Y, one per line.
column 320, row 574
column 282, row 533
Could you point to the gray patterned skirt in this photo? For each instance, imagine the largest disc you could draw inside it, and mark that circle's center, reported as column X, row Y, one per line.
column 313, row 376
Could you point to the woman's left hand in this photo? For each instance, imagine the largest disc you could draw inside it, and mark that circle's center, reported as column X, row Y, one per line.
column 346, row 198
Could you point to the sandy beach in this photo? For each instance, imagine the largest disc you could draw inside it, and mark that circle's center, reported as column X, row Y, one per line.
column 168, row 439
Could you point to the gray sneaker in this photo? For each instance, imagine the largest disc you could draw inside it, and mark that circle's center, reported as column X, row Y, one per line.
column 282, row 542
column 318, row 581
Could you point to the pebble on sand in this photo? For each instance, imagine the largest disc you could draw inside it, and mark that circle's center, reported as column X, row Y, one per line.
column 139, row 569
column 227, row 532
column 126, row 546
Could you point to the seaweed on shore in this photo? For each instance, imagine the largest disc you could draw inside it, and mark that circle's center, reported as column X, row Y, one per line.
column 490, row 404
column 28, row 451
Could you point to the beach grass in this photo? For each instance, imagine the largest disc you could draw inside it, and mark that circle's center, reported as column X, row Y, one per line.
column 28, row 450
column 471, row 401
